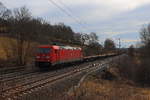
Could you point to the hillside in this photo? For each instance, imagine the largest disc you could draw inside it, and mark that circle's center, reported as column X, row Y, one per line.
column 4, row 43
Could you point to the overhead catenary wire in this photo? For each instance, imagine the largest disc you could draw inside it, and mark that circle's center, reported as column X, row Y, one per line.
column 69, row 10
column 67, row 13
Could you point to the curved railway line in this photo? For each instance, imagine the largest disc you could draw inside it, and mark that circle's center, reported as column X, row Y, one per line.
column 35, row 80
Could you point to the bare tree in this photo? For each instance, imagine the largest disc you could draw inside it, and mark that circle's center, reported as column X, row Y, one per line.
column 131, row 50
column 4, row 15
column 145, row 37
column 23, row 29
column 4, row 12
column 109, row 45
column 93, row 37
column 78, row 38
column 85, row 39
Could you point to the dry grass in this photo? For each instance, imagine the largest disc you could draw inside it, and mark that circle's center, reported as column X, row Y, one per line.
column 8, row 51
column 98, row 88
column 4, row 43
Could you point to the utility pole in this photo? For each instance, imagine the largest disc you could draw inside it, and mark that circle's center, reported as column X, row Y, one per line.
column 119, row 49
column 119, row 45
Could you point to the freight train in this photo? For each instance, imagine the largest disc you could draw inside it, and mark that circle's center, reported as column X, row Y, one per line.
column 50, row 55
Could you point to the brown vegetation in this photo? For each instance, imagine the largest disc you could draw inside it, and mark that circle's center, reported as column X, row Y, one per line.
column 109, row 85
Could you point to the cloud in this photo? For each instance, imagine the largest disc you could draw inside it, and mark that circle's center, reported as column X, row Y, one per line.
column 130, row 40
column 123, row 4
column 107, row 7
column 103, row 9
column 37, row 7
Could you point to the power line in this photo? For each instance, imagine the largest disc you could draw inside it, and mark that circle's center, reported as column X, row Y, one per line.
column 60, row 1
column 68, row 14
column 63, row 10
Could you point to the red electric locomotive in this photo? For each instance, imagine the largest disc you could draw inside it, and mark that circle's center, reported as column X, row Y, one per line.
column 49, row 55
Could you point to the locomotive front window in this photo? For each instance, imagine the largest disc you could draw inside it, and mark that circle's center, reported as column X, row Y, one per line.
column 44, row 50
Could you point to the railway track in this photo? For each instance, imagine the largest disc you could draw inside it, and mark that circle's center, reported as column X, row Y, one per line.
column 30, row 78
column 37, row 81
column 15, row 74
column 11, row 70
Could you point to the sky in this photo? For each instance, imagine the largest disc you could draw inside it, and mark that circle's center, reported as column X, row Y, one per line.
column 107, row 18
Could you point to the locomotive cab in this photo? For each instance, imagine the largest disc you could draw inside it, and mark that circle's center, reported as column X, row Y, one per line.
column 43, row 56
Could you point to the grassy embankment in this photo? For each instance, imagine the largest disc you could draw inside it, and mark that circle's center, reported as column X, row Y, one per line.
column 3, row 42
column 8, row 51
column 113, row 84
